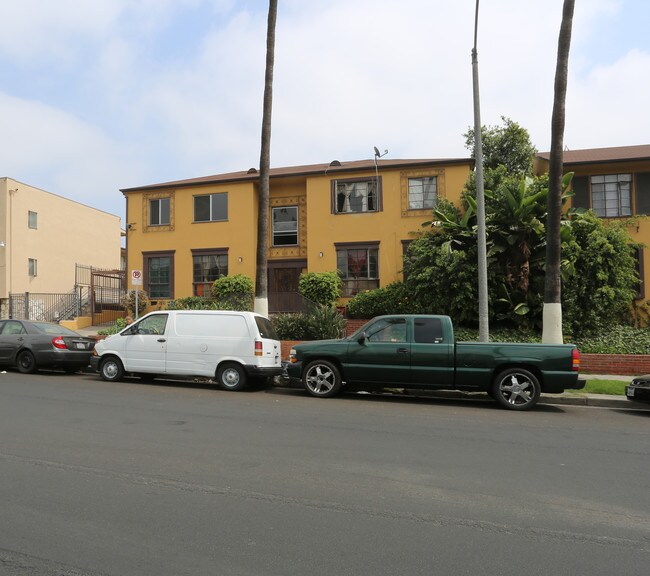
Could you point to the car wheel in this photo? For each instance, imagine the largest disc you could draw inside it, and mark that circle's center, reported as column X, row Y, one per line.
column 25, row 362
column 111, row 369
column 321, row 378
column 516, row 389
column 231, row 376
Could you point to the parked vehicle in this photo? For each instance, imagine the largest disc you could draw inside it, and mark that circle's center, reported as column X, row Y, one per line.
column 29, row 345
column 419, row 351
column 228, row 346
column 639, row 388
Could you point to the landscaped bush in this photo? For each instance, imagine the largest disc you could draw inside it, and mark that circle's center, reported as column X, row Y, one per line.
column 321, row 287
column 616, row 339
column 192, row 303
column 129, row 302
column 120, row 324
column 322, row 323
column 234, row 293
column 291, row 326
column 391, row 299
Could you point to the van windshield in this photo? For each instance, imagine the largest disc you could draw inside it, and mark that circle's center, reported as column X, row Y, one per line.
column 265, row 328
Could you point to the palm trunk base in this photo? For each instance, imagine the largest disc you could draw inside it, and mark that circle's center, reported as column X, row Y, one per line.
column 262, row 306
column 552, row 324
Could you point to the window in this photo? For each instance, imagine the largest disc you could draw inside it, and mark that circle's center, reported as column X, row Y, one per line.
column 159, row 274
column 154, row 325
column 285, row 226
column 427, row 330
column 423, row 192
column 207, row 267
column 211, row 207
column 610, row 195
column 32, row 220
column 358, row 267
column 388, row 330
column 159, row 211
column 353, row 196
column 32, row 266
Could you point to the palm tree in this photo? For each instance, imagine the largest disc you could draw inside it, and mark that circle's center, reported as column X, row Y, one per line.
column 261, row 274
column 552, row 317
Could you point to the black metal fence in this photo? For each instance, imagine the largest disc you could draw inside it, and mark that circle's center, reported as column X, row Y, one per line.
column 48, row 307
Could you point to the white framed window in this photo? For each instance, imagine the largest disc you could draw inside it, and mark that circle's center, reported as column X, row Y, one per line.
column 285, row 226
column 611, row 195
column 355, row 196
column 159, row 211
column 423, row 192
column 32, row 220
column 32, row 267
column 211, row 207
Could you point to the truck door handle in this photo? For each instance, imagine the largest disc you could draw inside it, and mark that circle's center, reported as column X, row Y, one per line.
column 162, row 340
column 402, row 350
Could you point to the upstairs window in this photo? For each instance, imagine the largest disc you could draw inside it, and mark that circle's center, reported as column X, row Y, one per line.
column 611, row 195
column 32, row 220
column 285, row 226
column 211, row 207
column 355, row 196
column 159, row 211
column 423, row 192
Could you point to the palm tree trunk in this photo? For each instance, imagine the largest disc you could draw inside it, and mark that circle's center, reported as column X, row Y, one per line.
column 552, row 315
column 261, row 275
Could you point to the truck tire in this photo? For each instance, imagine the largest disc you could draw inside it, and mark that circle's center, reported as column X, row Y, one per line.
column 111, row 369
column 231, row 376
column 516, row 389
column 322, row 379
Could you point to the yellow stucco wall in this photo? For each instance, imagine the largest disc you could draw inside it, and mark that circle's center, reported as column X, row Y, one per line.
column 319, row 229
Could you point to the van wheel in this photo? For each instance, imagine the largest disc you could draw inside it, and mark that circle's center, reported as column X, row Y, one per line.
column 231, row 376
column 516, row 389
column 321, row 378
column 111, row 369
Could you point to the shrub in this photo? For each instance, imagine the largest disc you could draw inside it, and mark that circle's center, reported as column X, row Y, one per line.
column 291, row 326
column 192, row 303
column 128, row 301
column 120, row 324
column 321, row 287
column 322, row 323
column 326, row 322
column 391, row 299
column 234, row 293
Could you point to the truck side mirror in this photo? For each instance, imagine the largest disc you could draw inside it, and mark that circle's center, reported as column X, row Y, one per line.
column 362, row 338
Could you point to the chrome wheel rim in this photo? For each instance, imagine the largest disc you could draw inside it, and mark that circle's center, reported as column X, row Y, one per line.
column 320, row 379
column 517, row 389
column 230, row 377
column 110, row 369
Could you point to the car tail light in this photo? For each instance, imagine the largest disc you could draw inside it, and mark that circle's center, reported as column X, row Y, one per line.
column 575, row 357
column 259, row 351
column 59, row 342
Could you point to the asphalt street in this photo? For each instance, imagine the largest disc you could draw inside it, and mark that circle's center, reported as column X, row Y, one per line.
column 181, row 478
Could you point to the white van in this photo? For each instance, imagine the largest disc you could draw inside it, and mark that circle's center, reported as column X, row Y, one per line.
column 228, row 346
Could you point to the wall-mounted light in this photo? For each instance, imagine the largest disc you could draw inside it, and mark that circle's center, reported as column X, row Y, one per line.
column 2, row 244
column 320, row 254
column 240, row 259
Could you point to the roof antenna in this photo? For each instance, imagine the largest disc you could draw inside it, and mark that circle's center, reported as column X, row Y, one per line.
column 378, row 155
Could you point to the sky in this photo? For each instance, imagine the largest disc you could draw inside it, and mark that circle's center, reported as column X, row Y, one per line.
column 100, row 95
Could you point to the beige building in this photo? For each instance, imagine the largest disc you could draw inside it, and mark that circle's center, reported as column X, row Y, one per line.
column 43, row 236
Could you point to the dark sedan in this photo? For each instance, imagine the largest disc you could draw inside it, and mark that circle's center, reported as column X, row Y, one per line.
column 29, row 345
column 639, row 388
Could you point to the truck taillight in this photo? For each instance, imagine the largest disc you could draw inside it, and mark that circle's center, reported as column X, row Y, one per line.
column 575, row 358
column 259, row 351
column 59, row 343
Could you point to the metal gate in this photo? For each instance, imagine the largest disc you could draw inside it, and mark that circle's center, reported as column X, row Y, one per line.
column 107, row 294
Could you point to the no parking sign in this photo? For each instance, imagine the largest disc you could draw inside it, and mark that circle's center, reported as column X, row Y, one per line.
column 136, row 277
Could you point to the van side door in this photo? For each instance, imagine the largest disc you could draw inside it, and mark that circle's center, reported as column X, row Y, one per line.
column 146, row 345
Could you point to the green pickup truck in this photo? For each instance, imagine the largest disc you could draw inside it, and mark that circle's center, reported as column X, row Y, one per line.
column 420, row 352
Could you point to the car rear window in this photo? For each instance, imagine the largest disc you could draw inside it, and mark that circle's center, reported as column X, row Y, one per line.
column 428, row 330
column 265, row 328
column 53, row 329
